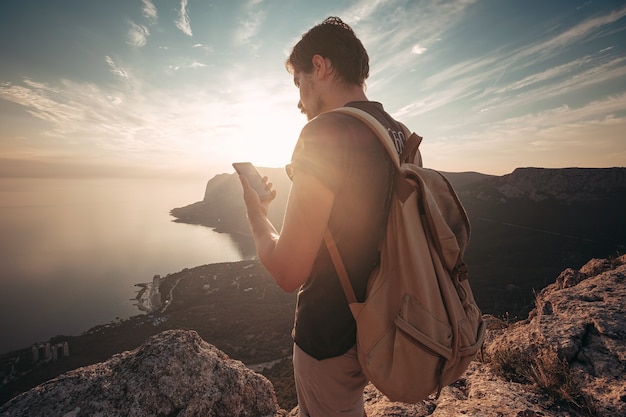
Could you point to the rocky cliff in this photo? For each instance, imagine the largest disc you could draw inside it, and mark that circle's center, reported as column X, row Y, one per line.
column 562, row 184
column 222, row 207
column 567, row 359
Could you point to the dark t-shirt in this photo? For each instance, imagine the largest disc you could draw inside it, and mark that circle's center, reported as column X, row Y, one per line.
column 347, row 157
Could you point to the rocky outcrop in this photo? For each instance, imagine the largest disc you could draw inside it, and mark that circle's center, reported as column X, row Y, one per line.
column 223, row 208
column 573, row 345
column 174, row 373
column 568, row 359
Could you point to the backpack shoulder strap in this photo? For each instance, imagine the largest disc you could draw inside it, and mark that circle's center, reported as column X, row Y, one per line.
column 339, row 267
column 411, row 151
column 377, row 127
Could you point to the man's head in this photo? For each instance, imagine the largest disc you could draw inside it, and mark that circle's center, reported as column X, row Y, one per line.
column 334, row 40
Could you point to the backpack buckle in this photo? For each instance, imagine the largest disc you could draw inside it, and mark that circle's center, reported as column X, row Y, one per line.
column 461, row 271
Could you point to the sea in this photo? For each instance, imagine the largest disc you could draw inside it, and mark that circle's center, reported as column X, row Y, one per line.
column 73, row 250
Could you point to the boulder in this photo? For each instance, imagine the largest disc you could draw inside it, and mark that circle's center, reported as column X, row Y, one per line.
column 174, row 373
column 573, row 344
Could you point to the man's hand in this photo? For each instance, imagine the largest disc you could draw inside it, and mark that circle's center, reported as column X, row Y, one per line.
column 253, row 202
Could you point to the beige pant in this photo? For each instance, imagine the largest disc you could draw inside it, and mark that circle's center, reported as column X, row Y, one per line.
column 330, row 387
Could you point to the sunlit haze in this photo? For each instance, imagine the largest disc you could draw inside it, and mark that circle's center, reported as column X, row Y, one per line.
column 184, row 88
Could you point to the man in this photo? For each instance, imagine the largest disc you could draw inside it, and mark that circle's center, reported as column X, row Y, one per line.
column 341, row 180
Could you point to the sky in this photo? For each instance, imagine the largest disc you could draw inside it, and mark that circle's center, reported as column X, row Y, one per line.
column 182, row 88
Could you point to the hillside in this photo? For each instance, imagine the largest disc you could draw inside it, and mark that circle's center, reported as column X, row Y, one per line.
column 235, row 305
column 567, row 359
column 526, row 226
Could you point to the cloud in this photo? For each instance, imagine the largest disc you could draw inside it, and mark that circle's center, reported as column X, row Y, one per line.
column 481, row 79
column 423, row 21
column 418, row 50
column 183, row 22
column 115, row 69
column 251, row 22
column 586, row 29
column 192, row 65
column 149, row 11
column 534, row 89
column 137, row 34
column 586, row 136
column 362, row 11
column 566, row 115
column 547, row 74
column 138, row 123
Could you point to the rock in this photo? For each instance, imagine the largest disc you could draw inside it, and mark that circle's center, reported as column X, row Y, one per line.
column 174, row 373
column 567, row 359
column 573, row 344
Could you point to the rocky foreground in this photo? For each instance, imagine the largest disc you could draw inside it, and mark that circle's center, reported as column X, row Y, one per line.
column 567, row 359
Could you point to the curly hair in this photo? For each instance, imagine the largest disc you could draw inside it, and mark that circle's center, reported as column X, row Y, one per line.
column 335, row 40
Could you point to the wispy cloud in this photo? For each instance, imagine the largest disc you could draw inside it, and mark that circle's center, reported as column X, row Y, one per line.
column 361, row 11
column 183, row 22
column 586, row 134
column 249, row 25
column 535, row 91
column 116, row 69
column 565, row 115
column 184, row 100
column 587, row 29
column 401, row 38
column 546, row 75
column 193, row 64
column 418, row 49
column 137, row 34
column 149, row 11
column 476, row 78
column 140, row 122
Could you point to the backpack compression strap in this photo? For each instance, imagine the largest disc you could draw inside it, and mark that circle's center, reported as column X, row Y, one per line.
column 339, row 267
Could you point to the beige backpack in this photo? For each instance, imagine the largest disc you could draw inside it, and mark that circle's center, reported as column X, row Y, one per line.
column 419, row 327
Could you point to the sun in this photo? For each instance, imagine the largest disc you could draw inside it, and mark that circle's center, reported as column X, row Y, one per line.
column 268, row 135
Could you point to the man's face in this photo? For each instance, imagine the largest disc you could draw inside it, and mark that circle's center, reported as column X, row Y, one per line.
column 310, row 102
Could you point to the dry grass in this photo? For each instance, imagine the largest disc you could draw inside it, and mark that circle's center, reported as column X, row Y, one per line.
column 544, row 368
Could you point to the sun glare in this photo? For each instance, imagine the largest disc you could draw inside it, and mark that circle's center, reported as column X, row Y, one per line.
column 267, row 136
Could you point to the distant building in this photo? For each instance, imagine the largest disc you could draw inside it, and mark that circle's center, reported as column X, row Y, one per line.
column 155, row 294
column 47, row 352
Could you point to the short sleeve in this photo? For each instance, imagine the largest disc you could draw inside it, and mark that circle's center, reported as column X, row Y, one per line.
column 322, row 153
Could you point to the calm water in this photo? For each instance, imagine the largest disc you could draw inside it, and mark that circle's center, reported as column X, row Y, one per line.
column 71, row 250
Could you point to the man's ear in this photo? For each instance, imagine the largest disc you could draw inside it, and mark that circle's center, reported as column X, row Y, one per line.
column 322, row 67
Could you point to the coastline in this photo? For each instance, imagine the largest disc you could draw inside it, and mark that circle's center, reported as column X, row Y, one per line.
column 233, row 305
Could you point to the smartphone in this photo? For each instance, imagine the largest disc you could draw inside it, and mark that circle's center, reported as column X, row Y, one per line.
column 254, row 178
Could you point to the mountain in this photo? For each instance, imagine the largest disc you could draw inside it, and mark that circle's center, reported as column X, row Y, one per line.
column 565, row 360
column 222, row 207
column 561, row 184
column 526, row 226
column 533, row 223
